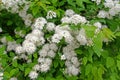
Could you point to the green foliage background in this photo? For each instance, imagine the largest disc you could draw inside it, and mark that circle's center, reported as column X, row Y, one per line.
column 99, row 62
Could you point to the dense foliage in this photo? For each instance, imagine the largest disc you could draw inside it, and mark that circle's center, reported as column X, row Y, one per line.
column 59, row 39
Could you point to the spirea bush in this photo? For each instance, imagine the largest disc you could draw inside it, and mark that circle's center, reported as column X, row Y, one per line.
column 59, row 39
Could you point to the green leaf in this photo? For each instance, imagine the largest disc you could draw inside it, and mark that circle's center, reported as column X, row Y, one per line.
column 110, row 62
column 97, row 47
column 27, row 71
column 84, row 60
column 80, row 3
column 9, row 23
column 118, row 64
column 14, row 63
column 2, row 49
column 90, row 31
column 100, row 73
column 117, row 34
column 95, row 72
column 14, row 72
column 6, row 75
column 88, row 69
column 56, row 64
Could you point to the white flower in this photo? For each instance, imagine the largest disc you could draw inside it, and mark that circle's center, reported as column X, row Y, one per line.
column 42, row 20
column 19, row 50
column 22, row 13
column 3, row 40
column 56, row 38
column 39, row 25
column 11, row 46
column 29, row 47
column 32, row 38
column 0, row 29
column 72, row 70
column 65, row 20
column 48, row 61
column 51, row 14
column 98, row 25
column 41, row 60
column 50, row 26
column 36, row 67
column 75, row 19
column 75, row 61
column 63, row 57
column 14, row 78
column 37, row 32
column 81, row 37
column 42, row 40
column 33, row 75
column 51, row 54
column 46, row 47
column 44, row 67
column 23, row 56
column 69, row 12
column 102, row 14
column 43, row 53
column 1, row 74
column 112, row 11
column 28, row 22
column 53, row 46
column 109, row 4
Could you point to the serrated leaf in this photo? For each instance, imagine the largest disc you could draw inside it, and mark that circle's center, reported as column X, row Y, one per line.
column 88, row 69
column 110, row 62
column 97, row 47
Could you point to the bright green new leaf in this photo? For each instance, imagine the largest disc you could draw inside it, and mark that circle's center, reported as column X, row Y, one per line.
column 88, row 69
column 84, row 60
column 97, row 46
column 27, row 71
column 110, row 62
column 118, row 64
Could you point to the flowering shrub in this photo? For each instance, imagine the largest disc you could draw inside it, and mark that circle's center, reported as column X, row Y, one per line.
column 59, row 40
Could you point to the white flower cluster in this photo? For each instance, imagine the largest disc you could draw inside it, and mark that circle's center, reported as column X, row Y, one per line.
column 46, row 54
column 114, row 9
column 71, row 17
column 35, row 39
column 97, row 1
column 72, row 63
column 32, row 40
column 1, row 75
column 81, row 37
column 11, row 46
column 51, row 14
column 20, row 33
column 62, row 32
column 14, row 6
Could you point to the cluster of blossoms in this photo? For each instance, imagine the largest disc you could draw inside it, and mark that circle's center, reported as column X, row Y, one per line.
column 97, row 1
column 114, row 9
column 35, row 38
column 51, row 14
column 32, row 40
column 46, row 54
column 71, row 17
column 1, row 75
column 20, row 7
